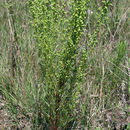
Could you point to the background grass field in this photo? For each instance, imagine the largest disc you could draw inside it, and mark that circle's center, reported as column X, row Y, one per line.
column 103, row 101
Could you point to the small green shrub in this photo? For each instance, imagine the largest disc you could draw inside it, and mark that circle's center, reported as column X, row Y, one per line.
column 58, row 30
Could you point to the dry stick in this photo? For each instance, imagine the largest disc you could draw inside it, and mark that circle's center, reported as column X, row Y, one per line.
column 103, row 72
column 13, row 38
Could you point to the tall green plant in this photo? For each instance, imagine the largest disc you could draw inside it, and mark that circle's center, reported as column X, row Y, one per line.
column 58, row 30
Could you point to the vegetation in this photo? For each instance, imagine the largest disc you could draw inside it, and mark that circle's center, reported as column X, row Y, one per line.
column 64, row 64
